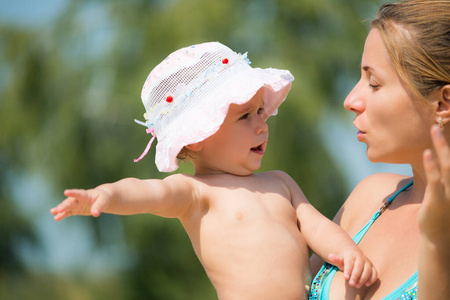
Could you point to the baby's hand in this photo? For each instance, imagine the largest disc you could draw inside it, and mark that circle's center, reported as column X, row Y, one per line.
column 358, row 269
column 81, row 202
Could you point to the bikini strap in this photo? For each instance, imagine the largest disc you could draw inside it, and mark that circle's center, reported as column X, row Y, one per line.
column 389, row 202
column 358, row 237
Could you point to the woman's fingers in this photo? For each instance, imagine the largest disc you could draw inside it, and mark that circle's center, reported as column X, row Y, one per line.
column 443, row 154
column 433, row 215
column 432, row 171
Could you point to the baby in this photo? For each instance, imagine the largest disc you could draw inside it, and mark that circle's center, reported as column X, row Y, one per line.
column 251, row 232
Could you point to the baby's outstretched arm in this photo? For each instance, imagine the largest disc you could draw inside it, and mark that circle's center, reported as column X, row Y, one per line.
column 171, row 198
column 329, row 241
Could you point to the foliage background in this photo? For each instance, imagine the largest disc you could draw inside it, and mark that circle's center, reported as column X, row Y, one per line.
column 71, row 72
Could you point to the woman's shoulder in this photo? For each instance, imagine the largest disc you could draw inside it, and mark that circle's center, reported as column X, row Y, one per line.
column 381, row 182
column 375, row 188
column 368, row 196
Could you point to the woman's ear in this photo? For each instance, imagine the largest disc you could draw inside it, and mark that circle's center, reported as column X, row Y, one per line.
column 196, row 147
column 443, row 98
column 446, row 92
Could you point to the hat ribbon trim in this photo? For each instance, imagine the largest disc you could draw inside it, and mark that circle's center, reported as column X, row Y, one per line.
column 149, row 145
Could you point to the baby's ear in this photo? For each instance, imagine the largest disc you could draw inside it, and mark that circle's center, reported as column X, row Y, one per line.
column 196, row 147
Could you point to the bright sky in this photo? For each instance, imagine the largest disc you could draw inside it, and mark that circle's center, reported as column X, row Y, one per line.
column 30, row 12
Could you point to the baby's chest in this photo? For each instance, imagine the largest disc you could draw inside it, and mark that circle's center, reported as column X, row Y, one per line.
column 235, row 206
column 246, row 226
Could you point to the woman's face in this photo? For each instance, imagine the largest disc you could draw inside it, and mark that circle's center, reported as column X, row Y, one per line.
column 394, row 126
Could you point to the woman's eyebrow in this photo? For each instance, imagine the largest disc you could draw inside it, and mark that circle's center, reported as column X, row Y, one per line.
column 366, row 68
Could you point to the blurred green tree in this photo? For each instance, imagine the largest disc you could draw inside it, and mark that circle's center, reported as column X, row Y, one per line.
column 72, row 89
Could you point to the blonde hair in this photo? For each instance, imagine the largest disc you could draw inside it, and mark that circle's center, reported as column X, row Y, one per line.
column 417, row 36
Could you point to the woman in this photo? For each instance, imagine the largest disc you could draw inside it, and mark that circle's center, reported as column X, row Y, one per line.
column 403, row 91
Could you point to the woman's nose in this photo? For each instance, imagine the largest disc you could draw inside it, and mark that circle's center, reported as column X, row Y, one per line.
column 354, row 100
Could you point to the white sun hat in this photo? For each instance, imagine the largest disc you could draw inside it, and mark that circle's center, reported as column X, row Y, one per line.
column 187, row 96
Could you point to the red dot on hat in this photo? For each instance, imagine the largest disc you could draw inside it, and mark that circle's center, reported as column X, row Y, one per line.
column 169, row 99
column 225, row 61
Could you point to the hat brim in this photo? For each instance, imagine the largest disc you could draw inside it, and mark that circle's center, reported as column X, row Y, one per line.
column 205, row 120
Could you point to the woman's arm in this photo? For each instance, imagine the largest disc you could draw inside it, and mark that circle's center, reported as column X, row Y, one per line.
column 171, row 197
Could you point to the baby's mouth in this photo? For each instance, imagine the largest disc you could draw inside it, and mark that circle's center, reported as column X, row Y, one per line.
column 258, row 149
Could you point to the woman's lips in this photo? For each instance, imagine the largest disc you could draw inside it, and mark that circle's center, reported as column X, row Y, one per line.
column 360, row 135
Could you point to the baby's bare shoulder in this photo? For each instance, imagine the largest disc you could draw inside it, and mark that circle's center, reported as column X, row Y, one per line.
column 182, row 182
column 277, row 175
column 280, row 177
column 282, row 180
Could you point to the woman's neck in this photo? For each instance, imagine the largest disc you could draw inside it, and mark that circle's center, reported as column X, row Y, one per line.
column 420, row 182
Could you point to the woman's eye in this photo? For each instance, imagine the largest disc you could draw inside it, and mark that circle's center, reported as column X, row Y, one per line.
column 244, row 117
column 373, row 84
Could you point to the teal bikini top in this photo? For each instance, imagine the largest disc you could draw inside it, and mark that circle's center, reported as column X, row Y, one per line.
column 320, row 287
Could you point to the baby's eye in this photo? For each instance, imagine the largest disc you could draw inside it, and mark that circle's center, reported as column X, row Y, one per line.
column 260, row 110
column 244, row 117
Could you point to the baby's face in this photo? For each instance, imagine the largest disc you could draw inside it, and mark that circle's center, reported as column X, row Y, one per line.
column 238, row 146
